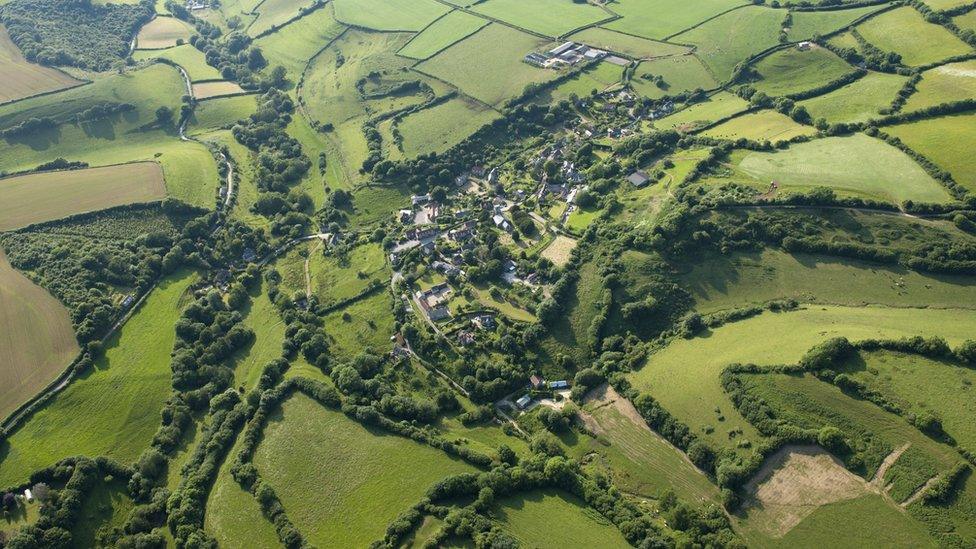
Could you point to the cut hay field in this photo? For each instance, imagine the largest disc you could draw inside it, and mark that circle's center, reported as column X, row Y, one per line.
column 733, row 37
column 45, row 196
column 447, row 30
column 488, row 64
column 186, row 56
column 162, row 32
column 718, row 106
column 221, row 112
column 626, row 44
column 368, row 477
column 943, row 84
column 794, row 70
column 370, row 324
column 113, row 409
column 293, row 45
column 274, row 13
column 684, row 376
column 206, row 90
column 858, row 101
column 389, row 15
column 21, row 78
column 945, row 141
column 559, row 250
column 680, row 73
column 662, row 18
column 808, row 23
column 855, row 165
column 719, row 282
column 568, row 521
column 917, row 41
column 765, row 125
column 442, row 126
column 37, row 340
column 547, row 17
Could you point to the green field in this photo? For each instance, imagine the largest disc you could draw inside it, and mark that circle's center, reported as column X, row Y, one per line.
column 447, row 30
column 45, row 196
column 369, row 477
column 597, row 77
column 626, row 44
column 22, row 78
column 945, row 4
column 763, row 125
column 221, row 113
column 272, row 14
column 568, row 522
column 662, row 18
column 269, row 334
column 943, row 84
column 727, row 40
column 163, row 32
column 191, row 59
column 855, row 165
column 944, row 141
column 388, row 15
column 548, row 17
column 966, row 21
column 808, row 23
column 917, row 41
column 858, row 101
column 718, row 106
column 442, row 126
column 336, row 279
column 372, row 204
column 105, row 508
column 220, row 88
column 794, row 70
column 37, row 341
column 113, row 409
column 370, row 325
column 488, row 64
column 680, row 73
column 684, row 376
column 726, row 282
column 293, row 45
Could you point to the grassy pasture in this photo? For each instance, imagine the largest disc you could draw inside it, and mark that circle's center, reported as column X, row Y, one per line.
column 761, row 126
column 858, row 101
column 548, row 17
column 684, row 376
column 953, row 523
column 919, row 384
column 662, row 18
column 718, row 106
column 442, row 126
column 733, row 37
column 105, row 508
column 793, row 70
column 966, row 21
column 37, row 341
column 45, row 196
column 597, row 77
column 337, row 279
column 549, row 518
column 680, row 73
column 206, row 90
column 293, row 45
column 720, row 282
column 21, row 78
column 186, row 56
column 113, row 409
column 162, row 32
column 388, row 15
column 855, row 165
column 808, row 23
column 945, row 4
column 262, row 317
column 274, row 13
column 953, row 82
column 626, row 44
column 945, row 141
column 367, row 479
column 370, row 325
column 375, row 203
column 916, row 40
column 447, row 30
column 221, row 112
column 488, row 64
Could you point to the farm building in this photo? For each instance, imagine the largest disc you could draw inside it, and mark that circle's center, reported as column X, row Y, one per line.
column 638, row 179
column 561, row 384
column 523, row 402
column 536, row 382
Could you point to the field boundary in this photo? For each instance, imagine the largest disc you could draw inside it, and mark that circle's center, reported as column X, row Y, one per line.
column 49, row 92
column 466, row 36
column 700, row 23
column 302, row 12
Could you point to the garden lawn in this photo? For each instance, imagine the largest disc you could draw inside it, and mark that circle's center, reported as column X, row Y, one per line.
column 488, row 64
column 765, row 125
column 186, row 56
column 905, row 32
column 112, row 409
column 342, row 483
column 662, row 18
column 716, row 107
column 734, row 37
column 626, row 44
column 442, row 126
column 548, row 17
column 858, row 101
column 389, row 15
column 680, row 73
column 685, row 376
column 944, row 84
column 946, row 141
column 806, row 24
column 21, row 78
column 447, row 30
column 370, row 326
column 794, row 70
column 293, row 45
column 162, row 32
column 855, row 165
column 550, row 518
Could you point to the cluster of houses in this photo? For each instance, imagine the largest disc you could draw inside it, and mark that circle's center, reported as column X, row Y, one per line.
column 433, row 302
column 537, row 383
column 563, row 55
column 193, row 5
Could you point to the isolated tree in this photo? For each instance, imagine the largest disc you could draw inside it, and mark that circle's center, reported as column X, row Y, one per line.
column 164, row 115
